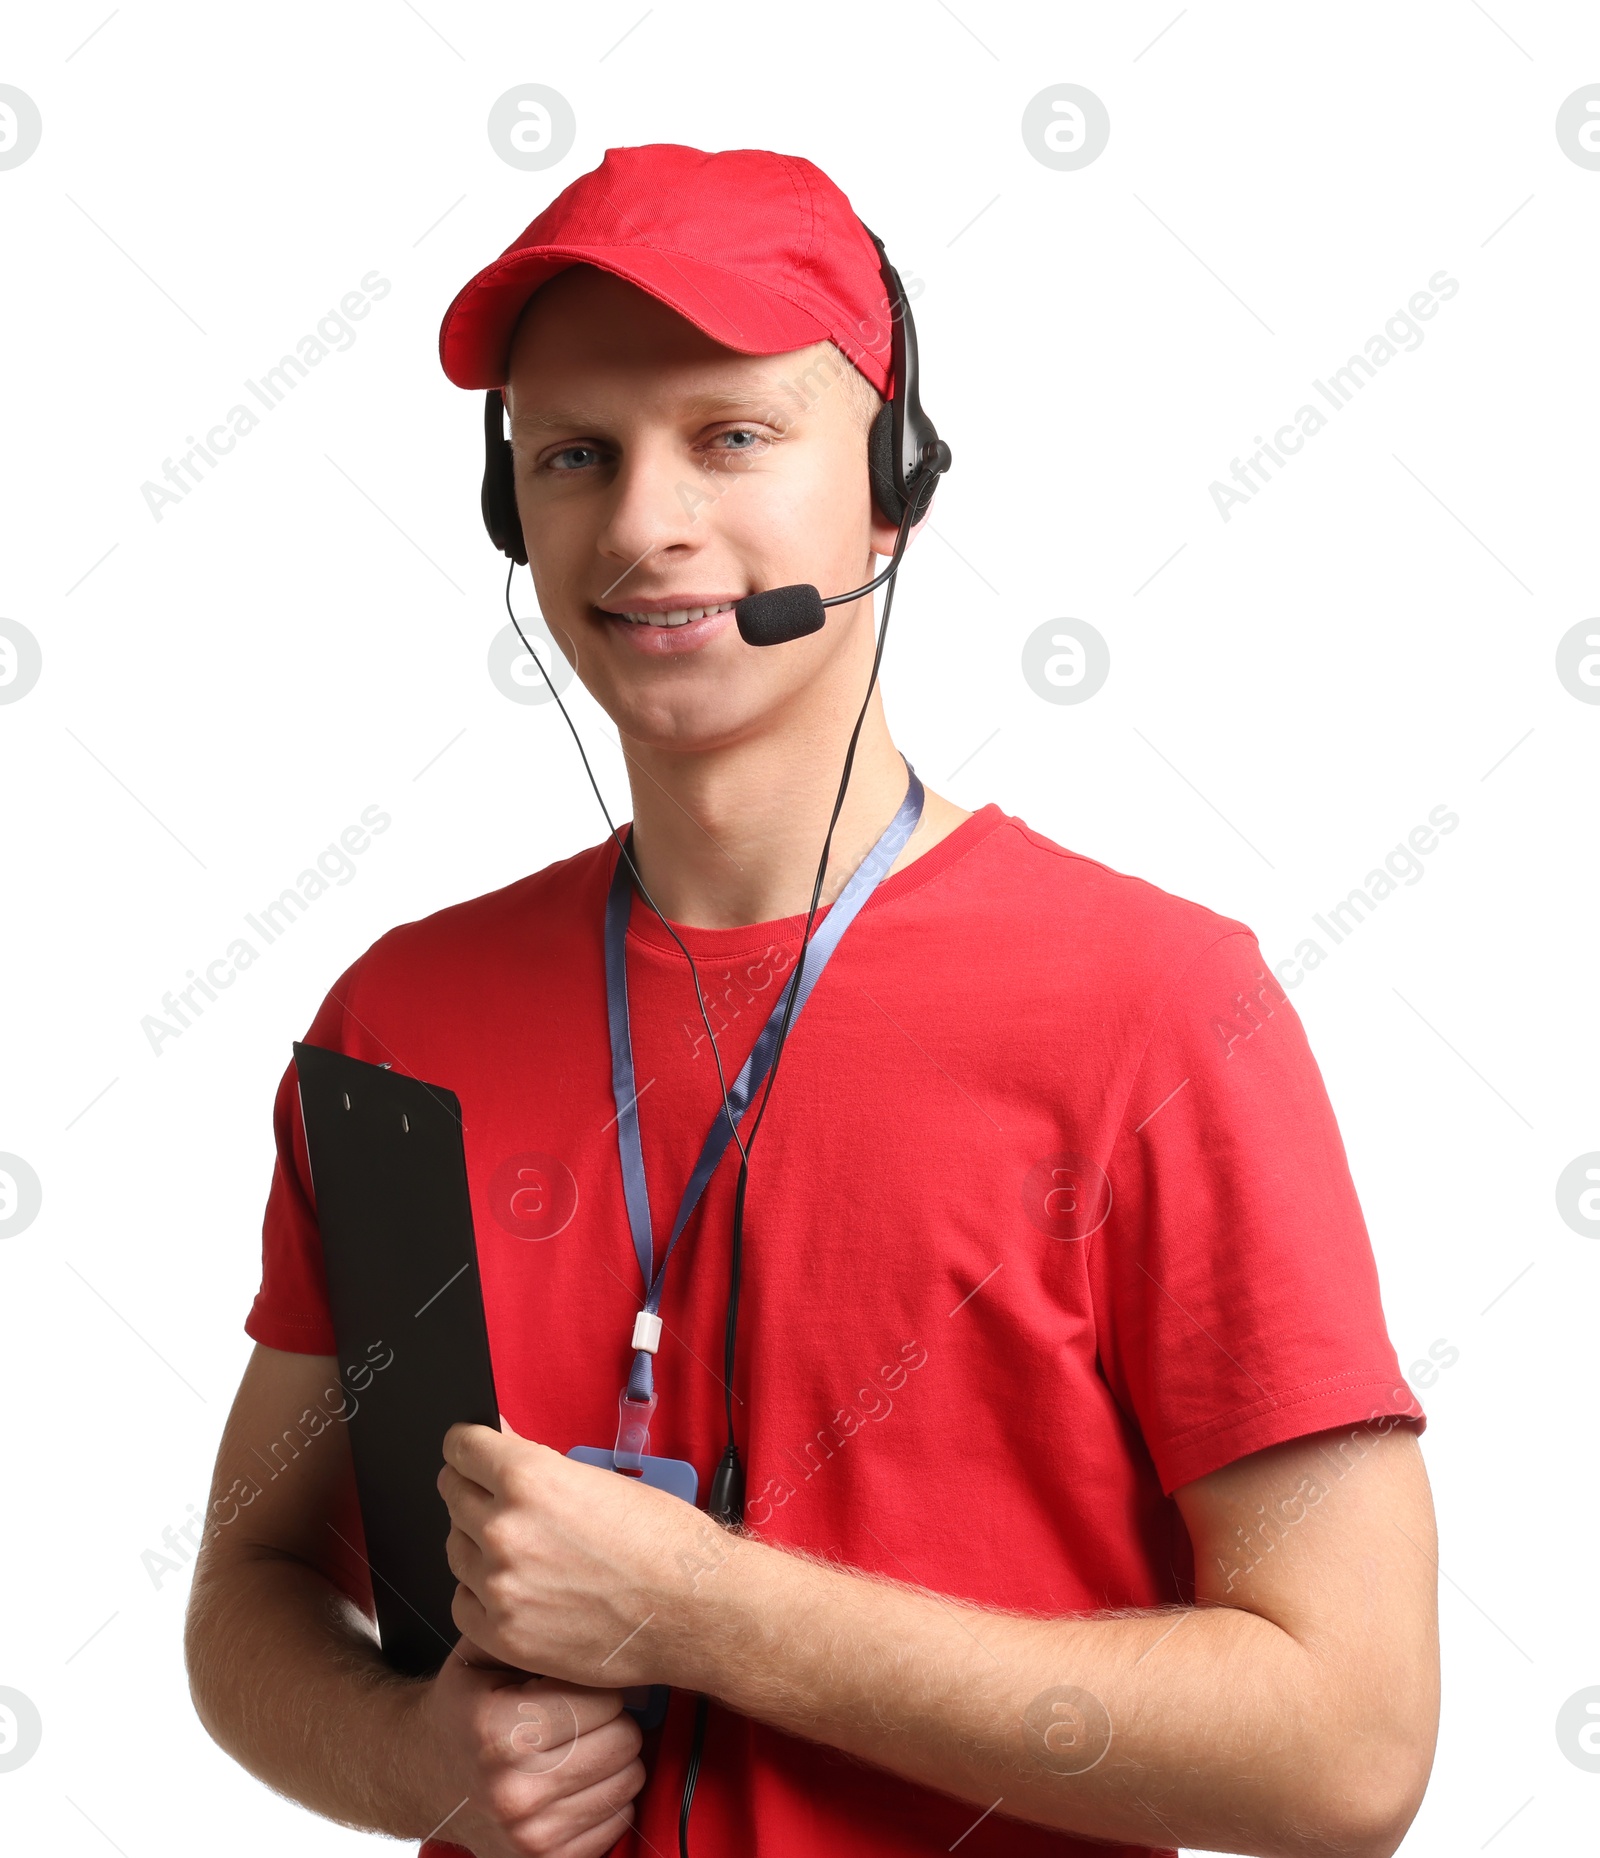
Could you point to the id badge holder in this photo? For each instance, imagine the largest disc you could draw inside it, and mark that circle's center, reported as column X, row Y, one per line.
column 646, row 1702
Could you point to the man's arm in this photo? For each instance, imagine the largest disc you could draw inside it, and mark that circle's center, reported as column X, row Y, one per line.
column 286, row 1673
column 1292, row 1711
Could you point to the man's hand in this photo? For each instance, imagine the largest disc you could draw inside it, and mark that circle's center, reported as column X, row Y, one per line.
column 545, row 1768
column 566, row 1569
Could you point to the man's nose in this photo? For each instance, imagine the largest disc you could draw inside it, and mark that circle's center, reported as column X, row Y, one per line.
column 655, row 508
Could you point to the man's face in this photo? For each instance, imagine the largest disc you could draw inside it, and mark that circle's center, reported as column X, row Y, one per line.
column 659, row 473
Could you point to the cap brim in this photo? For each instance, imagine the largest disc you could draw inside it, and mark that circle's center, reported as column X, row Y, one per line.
column 475, row 336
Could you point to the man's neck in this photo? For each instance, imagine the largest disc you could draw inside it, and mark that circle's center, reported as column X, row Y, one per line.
column 733, row 837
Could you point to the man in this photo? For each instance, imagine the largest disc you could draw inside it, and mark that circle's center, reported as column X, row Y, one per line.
column 1084, row 1499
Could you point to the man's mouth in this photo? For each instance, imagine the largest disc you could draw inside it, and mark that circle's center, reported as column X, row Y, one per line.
column 672, row 616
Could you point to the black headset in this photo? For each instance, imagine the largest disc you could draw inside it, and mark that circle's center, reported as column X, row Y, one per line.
column 901, row 445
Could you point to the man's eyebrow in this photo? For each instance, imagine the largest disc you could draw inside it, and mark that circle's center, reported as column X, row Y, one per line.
column 555, row 419
column 763, row 395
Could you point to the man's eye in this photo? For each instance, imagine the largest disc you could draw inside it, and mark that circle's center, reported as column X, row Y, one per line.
column 573, row 458
column 740, row 439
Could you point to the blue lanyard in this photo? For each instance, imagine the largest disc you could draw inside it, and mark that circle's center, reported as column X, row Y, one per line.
column 868, row 875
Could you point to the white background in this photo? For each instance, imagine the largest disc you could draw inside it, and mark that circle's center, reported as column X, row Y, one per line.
column 1373, row 636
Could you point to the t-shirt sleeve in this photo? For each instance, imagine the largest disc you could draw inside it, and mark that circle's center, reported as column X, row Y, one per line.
column 291, row 1309
column 1235, row 1289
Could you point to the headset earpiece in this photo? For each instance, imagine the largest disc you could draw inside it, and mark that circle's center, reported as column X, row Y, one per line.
column 902, row 442
column 886, row 494
column 905, row 460
column 499, row 499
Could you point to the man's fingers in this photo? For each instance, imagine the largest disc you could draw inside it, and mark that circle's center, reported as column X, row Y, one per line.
column 603, row 1838
column 594, row 1707
column 525, row 1797
column 479, row 1453
column 582, row 1761
column 540, row 1725
column 588, row 1820
column 468, row 1503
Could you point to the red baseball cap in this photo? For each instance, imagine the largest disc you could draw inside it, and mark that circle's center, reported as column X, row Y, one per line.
column 761, row 251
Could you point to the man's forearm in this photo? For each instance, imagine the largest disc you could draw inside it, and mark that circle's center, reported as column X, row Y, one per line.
column 1292, row 1712
column 1216, row 1728
column 288, row 1679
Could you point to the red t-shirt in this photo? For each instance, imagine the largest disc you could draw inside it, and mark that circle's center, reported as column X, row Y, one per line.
column 1049, row 1216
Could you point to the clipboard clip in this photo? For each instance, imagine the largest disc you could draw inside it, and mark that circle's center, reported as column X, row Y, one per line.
column 633, row 1432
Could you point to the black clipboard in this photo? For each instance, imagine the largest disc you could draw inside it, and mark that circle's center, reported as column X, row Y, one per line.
column 389, row 1174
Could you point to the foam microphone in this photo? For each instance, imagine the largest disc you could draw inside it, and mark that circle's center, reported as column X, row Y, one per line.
column 779, row 614
column 783, row 613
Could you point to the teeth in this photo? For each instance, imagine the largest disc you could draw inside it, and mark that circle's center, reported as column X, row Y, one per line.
column 679, row 616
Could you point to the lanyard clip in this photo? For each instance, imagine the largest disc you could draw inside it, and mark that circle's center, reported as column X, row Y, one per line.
column 633, row 1431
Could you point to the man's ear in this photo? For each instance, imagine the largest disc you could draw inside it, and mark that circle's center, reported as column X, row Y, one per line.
column 885, row 533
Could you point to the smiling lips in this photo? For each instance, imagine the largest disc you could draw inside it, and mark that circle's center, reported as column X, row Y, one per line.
column 675, row 616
